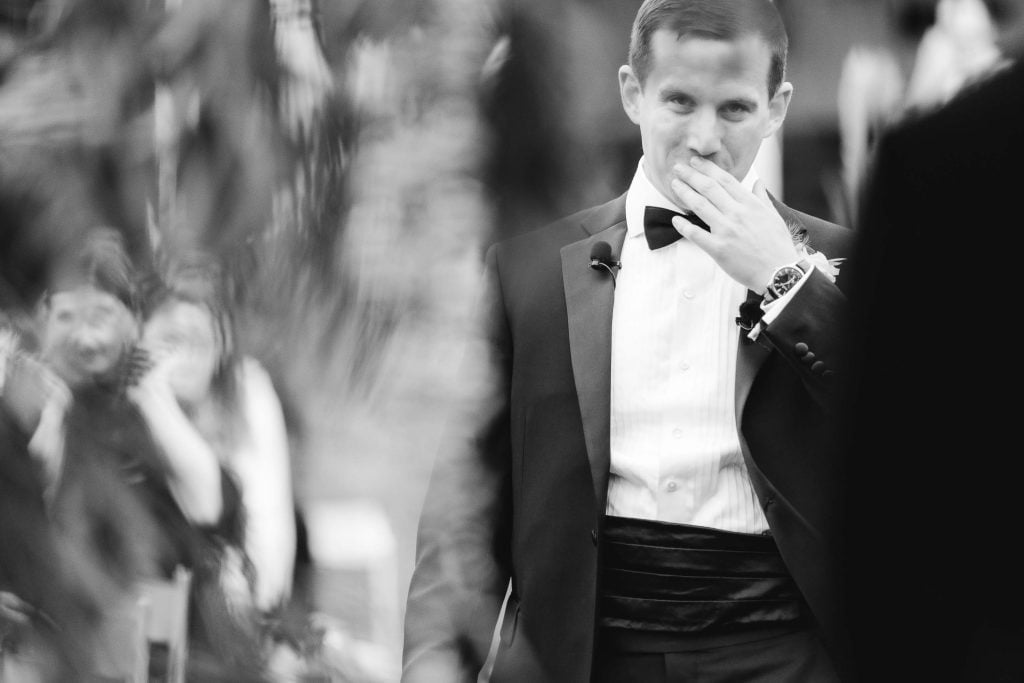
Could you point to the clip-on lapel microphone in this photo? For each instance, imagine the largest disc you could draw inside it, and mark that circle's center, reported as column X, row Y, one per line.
column 601, row 257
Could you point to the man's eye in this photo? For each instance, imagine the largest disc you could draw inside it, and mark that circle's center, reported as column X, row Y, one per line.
column 683, row 106
column 735, row 110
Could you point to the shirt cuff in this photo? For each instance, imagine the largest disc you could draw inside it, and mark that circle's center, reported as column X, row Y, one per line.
column 774, row 308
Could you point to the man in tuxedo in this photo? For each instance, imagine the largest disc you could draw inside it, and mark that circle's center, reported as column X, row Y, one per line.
column 933, row 564
column 648, row 476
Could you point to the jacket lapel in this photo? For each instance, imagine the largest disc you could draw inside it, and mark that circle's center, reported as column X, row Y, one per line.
column 589, row 295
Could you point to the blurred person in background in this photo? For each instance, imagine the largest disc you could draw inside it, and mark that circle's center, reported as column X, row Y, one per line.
column 133, row 496
column 932, row 507
column 88, row 334
column 47, row 609
column 225, row 403
column 674, row 424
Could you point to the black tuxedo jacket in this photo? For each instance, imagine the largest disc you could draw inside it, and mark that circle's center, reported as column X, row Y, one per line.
column 521, row 495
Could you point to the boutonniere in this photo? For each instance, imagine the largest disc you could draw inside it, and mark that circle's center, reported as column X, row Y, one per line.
column 829, row 267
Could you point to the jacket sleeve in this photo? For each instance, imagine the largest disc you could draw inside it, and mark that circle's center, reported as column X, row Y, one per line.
column 808, row 334
column 462, row 555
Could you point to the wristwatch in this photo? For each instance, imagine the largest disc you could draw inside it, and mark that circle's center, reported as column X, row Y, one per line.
column 785, row 278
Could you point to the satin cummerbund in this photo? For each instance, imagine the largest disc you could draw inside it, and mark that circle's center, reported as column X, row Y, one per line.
column 658, row 576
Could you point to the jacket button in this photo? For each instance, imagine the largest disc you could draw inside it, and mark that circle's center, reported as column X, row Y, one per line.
column 801, row 348
column 818, row 367
column 809, row 357
column 593, row 536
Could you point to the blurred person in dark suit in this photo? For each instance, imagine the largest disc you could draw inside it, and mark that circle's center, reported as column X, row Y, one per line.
column 654, row 487
column 933, row 569
column 46, row 610
column 94, row 533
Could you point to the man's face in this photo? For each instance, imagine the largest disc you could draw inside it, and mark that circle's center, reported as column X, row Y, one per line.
column 705, row 98
column 85, row 333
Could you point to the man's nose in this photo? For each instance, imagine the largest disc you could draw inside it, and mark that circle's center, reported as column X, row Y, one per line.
column 703, row 137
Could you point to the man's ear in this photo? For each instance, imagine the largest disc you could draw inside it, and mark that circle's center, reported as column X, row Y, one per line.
column 777, row 107
column 631, row 91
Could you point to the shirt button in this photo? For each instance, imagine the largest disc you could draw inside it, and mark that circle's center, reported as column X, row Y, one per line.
column 677, row 433
column 684, row 366
column 688, row 294
column 672, row 486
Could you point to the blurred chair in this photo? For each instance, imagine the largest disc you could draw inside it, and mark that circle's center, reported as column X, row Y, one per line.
column 352, row 544
column 123, row 648
column 166, row 623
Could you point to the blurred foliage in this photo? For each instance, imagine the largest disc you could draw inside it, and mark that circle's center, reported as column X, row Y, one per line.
column 219, row 127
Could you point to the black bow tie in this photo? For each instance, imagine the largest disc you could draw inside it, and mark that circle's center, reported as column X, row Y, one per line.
column 658, row 228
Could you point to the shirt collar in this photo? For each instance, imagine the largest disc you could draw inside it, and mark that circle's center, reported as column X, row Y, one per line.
column 642, row 194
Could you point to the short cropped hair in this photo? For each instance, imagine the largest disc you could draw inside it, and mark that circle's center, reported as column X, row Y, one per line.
column 713, row 19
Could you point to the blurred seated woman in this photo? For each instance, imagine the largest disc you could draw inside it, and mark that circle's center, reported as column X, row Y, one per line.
column 230, row 404
column 136, row 491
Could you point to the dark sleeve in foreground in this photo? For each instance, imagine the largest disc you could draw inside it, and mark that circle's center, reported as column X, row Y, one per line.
column 933, row 567
column 463, row 545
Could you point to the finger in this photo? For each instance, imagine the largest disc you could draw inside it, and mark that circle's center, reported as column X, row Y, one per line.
column 725, row 179
column 157, row 356
column 705, row 185
column 761, row 192
column 698, row 203
column 702, row 238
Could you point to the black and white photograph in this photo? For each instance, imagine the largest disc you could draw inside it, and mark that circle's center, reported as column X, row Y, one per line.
column 510, row 341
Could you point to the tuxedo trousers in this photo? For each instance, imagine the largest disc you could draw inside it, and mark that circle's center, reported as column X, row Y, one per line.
column 773, row 655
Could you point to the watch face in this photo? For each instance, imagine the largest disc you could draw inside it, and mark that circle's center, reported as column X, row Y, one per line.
column 783, row 280
column 787, row 277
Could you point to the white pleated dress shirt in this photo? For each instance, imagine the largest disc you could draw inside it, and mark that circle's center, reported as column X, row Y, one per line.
column 675, row 450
